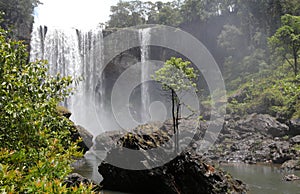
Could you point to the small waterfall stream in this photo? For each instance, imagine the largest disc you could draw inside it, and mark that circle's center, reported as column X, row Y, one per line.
column 145, row 38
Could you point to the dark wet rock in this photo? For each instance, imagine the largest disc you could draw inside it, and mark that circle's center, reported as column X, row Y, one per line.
column 294, row 125
column 295, row 140
column 291, row 165
column 75, row 179
column 291, row 177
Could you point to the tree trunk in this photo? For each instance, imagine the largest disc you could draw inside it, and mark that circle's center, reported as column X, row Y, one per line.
column 177, row 124
column 295, row 63
column 174, row 118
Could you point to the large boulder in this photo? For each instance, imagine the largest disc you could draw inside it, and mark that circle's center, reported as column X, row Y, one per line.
column 186, row 173
column 264, row 124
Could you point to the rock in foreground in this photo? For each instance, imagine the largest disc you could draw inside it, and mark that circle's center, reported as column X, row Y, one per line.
column 188, row 173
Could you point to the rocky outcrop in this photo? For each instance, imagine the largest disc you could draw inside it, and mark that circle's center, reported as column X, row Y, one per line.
column 185, row 173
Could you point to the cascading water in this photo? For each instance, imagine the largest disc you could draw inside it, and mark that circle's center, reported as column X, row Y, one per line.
column 79, row 54
column 145, row 37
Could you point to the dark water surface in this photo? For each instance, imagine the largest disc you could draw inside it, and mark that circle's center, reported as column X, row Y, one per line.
column 261, row 179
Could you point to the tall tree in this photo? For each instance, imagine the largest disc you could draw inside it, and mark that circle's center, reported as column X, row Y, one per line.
column 176, row 77
column 286, row 40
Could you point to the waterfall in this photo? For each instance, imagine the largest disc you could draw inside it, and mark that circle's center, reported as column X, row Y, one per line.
column 145, row 38
column 76, row 53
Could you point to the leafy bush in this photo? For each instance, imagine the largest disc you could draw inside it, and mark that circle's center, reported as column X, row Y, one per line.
column 35, row 145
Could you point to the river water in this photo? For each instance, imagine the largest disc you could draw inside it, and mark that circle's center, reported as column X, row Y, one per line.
column 261, row 179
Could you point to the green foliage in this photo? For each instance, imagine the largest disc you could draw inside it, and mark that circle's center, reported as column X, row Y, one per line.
column 276, row 94
column 133, row 13
column 126, row 14
column 167, row 14
column 176, row 75
column 204, row 10
column 35, row 145
column 286, row 41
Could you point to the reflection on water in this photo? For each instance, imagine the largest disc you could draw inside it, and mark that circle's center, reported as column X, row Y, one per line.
column 88, row 167
column 264, row 179
column 260, row 179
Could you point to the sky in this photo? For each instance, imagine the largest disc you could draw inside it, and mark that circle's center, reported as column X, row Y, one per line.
column 74, row 13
